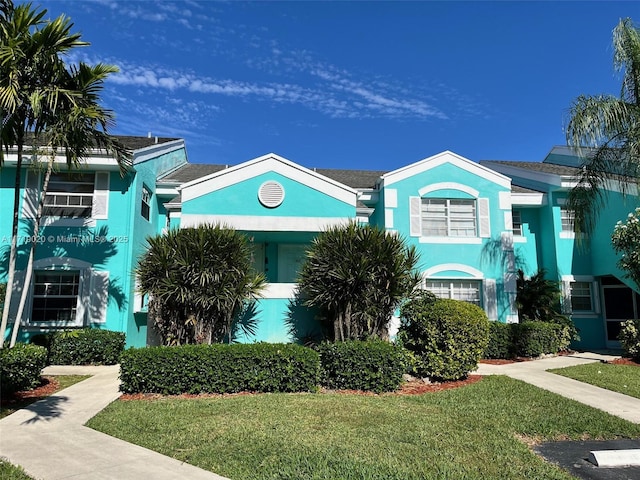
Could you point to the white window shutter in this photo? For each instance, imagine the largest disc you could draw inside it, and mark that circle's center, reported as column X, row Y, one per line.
column 595, row 297
column 490, row 298
column 31, row 190
column 98, row 296
column 101, row 196
column 566, row 297
column 415, row 220
column 18, row 284
column 483, row 217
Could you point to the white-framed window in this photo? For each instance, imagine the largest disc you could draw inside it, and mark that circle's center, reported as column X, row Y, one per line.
column 581, row 296
column 567, row 220
column 465, row 290
column 55, row 296
column 145, row 203
column 443, row 217
column 70, row 195
column 516, row 218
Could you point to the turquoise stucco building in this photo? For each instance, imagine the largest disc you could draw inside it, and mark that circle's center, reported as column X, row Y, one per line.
column 474, row 223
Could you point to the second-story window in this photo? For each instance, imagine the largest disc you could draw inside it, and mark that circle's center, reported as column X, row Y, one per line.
column 145, row 207
column 517, row 222
column 70, row 195
column 567, row 218
column 448, row 217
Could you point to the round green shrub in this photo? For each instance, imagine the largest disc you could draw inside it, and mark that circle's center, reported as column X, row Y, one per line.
column 630, row 338
column 20, row 367
column 447, row 336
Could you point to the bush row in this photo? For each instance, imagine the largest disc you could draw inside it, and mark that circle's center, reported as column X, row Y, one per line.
column 87, row 346
column 261, row 367
column 20, row 367
column 526, row 339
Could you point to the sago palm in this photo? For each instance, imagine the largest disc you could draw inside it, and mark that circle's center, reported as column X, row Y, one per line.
column 358, row 275
column 199, row 281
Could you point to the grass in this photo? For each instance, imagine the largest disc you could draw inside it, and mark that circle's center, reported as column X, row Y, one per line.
column 474, row 432
column 64, row 381
column 11, row 472
column 618, row 378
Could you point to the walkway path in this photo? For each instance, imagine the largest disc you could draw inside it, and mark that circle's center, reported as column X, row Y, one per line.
column 49, row 441
column 533, row 372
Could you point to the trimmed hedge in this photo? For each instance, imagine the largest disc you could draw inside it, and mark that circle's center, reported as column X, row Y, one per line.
column 630, row 338
column 88, row 346
column 532, row 339
column 20, row 367
column 258, row 367
column 526, row 339
column 448, row 337
column 372, row 365
column 501, row 341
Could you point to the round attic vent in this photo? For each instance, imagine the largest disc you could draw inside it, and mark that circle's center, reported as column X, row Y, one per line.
column 271, row 194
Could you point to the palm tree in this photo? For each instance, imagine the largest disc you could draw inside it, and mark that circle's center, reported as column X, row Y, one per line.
column 38, row 101
column 605, row 131
column 358, row 275
column 79, row 125
column 200, row 281
column 537, row 298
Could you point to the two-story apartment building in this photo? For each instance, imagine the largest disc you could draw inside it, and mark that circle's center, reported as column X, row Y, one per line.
column 474, row 225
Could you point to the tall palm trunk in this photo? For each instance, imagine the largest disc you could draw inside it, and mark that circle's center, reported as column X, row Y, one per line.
column 29, row 271
column 11, row 268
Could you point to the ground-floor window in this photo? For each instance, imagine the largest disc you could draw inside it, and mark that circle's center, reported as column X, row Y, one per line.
column 465, row 290
column 581, row 297
column 55, row 296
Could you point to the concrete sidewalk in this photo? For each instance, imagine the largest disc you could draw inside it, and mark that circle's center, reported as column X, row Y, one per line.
column 534, row 372
column 49, row 440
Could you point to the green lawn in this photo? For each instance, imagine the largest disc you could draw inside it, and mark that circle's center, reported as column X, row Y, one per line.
column 11, row 472
column 64, row 382
column 618, row 378
column 475, row 432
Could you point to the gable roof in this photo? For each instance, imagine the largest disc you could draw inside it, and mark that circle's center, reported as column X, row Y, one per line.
column 258, row 166
column 443, row 158
column 541, row 167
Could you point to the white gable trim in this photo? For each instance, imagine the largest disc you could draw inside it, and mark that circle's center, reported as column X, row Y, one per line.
column 459, row 267
column 451, row 186
column 440, row 159
column 265, row 164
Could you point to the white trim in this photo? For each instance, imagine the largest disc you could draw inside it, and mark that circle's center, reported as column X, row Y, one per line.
column 519, row 239
column 523, row 172
column 279, row 290
column 263, row 223
column 456, row 240
column 154, row 151
column 529, row 199
column 368, row 195
column 67, row 263
column 265, row 164
column 504, row 200
column 508, row 220
column 388, row 218
column 448, row 186
column 390, row 198
column 440, row 159
column 459, row 267
column 513, row 319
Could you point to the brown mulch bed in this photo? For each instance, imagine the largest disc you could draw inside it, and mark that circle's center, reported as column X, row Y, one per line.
column 414, row 387
column 48, row 385
column 624, row 361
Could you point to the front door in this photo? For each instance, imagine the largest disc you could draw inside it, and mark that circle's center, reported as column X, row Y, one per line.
column 621, row 304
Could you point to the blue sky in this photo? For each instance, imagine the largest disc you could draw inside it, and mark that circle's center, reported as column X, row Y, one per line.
column 370, row 85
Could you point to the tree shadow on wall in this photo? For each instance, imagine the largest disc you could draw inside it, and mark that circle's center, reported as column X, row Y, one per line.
column 305, row 325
